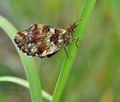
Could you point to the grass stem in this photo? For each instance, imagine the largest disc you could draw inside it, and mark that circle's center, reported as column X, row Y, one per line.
column 72, row 51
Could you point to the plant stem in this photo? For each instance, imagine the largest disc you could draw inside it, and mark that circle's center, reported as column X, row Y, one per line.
column 68, row 62
column 23, row 83
column 28, row 63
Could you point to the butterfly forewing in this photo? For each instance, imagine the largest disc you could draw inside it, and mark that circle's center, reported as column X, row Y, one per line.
column 42, row 40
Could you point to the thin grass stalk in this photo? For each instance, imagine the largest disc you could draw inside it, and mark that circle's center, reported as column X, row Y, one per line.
column 72, row 51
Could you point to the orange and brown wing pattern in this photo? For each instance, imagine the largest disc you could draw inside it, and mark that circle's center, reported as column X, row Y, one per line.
column 42, row 40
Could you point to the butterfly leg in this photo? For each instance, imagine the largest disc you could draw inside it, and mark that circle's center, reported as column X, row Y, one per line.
column 66, row 52
column 77, row 41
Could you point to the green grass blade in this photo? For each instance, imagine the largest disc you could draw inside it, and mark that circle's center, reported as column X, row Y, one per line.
column 24, row 83
column 28, row 63
column 68, row 62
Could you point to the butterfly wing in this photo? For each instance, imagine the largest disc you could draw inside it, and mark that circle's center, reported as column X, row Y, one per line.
column 40, row 40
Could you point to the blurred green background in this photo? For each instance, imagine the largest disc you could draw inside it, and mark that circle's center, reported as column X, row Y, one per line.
column 95, row 76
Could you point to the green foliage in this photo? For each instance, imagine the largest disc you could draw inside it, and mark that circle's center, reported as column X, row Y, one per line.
column 68, row 62
column 28, row 63
column 91, row 76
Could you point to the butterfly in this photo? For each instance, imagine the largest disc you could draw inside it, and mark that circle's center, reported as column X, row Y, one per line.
column 43, row 40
